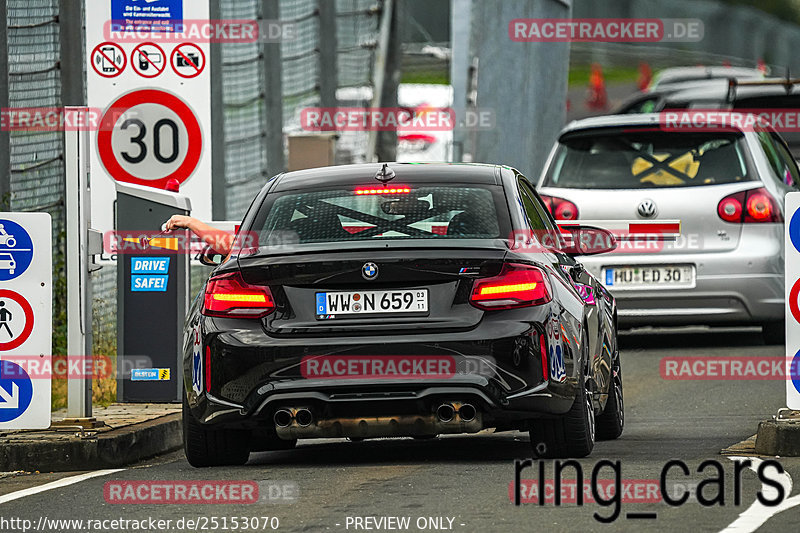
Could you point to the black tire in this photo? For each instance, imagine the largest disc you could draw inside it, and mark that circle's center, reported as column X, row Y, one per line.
column 611, row 421
column 573, row 434
column 774, row 332
column 213, row 447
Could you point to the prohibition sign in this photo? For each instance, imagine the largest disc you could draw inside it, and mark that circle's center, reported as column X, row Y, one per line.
column 108, row 59
column 148, row 59
column 793, row 306
column 152, row 97
column 27, row 329
column 190, row 58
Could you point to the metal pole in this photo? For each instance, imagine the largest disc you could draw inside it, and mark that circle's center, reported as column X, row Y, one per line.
column 219, row 206
column 79, row 290
column 328, row 77
column 273, row 95
column 71, row 53
column 379, row 72
column 5, row 148
column 461, row 22
column 79, row 294
column 386, row 148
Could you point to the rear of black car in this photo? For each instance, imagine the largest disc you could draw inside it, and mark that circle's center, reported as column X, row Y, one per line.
column 368, row 309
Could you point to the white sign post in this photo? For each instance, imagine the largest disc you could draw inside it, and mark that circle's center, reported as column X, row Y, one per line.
column 26, row 327
column 151, row 90
column 792, row 273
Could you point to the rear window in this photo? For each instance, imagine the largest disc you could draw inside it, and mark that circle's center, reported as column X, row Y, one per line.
column 647, row 159
column 360, row 213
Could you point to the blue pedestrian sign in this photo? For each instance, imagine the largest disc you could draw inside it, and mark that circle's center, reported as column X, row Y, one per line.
column 16, row 391
column 16, row 250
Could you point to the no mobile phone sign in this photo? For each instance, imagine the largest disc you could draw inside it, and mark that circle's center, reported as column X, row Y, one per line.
column 149, row 137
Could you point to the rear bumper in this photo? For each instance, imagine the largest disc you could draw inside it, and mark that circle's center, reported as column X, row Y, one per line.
column 255, row 375
column 744, row 286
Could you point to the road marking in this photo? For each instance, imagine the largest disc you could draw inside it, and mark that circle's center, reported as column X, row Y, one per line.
column 56, row 484
column 757, row 514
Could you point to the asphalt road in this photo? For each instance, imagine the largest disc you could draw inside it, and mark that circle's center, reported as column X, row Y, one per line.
column 463, row 482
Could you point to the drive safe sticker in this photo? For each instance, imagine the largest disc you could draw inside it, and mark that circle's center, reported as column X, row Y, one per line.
column 149, row 274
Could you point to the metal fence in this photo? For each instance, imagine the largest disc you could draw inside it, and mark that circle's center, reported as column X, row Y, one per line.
column 734, row 33
column 36, row 159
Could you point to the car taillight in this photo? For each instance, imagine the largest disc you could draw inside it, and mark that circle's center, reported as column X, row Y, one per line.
column 515, row 286
column 755, row 205
column 230, row 297
column 561, row 209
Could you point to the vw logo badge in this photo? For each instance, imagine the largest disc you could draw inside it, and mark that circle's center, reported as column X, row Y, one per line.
column 647, row 209
column 369, row 271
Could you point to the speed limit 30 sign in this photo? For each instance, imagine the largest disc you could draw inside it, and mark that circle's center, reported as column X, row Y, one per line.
column 149, row 137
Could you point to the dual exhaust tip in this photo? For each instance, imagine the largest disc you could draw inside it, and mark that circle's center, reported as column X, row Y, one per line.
column 447, row 412
column 283, row 417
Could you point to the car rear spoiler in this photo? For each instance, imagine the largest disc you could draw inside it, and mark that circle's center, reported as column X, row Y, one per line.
column 787, row 83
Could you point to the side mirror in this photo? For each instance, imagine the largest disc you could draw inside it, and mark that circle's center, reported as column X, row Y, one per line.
column 587, row 240
column 210, row 257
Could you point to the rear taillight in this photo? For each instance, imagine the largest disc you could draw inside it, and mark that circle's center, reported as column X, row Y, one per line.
column 229, row 296
column 515, row 286
column 561, row 209
column 755, row 205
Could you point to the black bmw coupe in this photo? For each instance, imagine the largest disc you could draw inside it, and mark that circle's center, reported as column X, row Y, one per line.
column 401, row 300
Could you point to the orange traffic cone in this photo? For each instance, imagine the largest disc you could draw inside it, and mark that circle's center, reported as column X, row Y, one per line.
column 645, row 76
column 597, row 98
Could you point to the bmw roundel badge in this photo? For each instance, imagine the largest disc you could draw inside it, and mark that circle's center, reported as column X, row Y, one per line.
column 369, row 271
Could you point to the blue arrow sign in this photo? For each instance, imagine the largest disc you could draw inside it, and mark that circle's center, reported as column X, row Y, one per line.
column 16, row 391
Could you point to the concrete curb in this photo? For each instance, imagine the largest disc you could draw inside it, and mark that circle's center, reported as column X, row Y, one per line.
column 779, row 438
column 115, row 448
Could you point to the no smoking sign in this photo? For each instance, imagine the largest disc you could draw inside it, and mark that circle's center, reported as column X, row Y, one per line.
column 149, row 137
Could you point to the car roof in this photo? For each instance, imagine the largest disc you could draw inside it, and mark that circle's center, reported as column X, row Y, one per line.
column 717, row 92
column 698, row 72
column 612, row 121
column 633, row 120
column 365, row 174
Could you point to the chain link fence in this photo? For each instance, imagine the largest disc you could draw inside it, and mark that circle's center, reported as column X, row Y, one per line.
column 36, row 159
